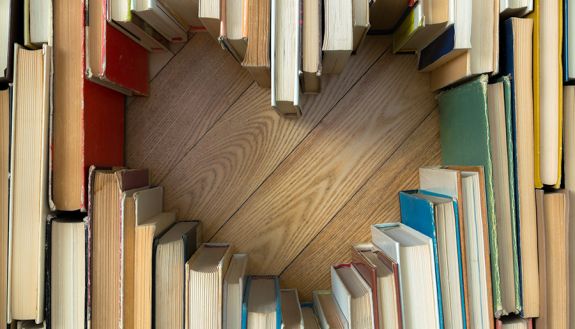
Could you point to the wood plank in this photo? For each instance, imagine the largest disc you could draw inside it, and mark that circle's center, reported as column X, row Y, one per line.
column 376, row 202
column 186, row 99
column 248, row 144
column 332, row 163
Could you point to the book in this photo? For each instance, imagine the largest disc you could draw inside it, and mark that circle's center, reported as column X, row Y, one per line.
column 414, row 254
column 568, row 41
column 209, row 14
column 233, row 34
column 516, row 8
column 257, row 58
column 328, row 312
column 162, row 19
column 11, row 33
column 569, row 147
column 234, row 283
column 185, row 13
column 261, row 308
column 360, row 21
column 385, row 16
column 88, row 125
column 37, row 23
column 436, row 216
column 120, row 16
column 553, row 242
column 516, row 46
column 514, row 323
column 4, row 184
column 482, row 58
column 171, row 252
column 292, row 317
column 309, row 319
column 353, row 295
column 547, row 92
column 205, row 277
column 106, row 188
column 112, row 59
column 476, row 236
column 502, row 156
column 142, row 221
column 285, row 57
column 465, row 141
column 29, row 325
column 337, row 35
column 382, row 275
column 311, row 46
column 68, row 246
column 28, row 205
column 424, row 23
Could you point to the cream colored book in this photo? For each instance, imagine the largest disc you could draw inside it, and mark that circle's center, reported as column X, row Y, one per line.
column 328, row 312
column 337, row 35
column 292, row 317
column 209, row 15
column 29, row 183
column 233, row 28
column 360, row 22
column 569, row 112
column 4, row 183
column 206, row 271
column 353, row 296
column 234, row 283
column 311, row 46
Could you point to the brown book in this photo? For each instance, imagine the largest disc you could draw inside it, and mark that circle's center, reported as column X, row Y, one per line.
column 233, row 29
column 4, row 172
column 382, row 274
column 257, row 58
column 553, row 243
column 106, row 188
column 29, row 183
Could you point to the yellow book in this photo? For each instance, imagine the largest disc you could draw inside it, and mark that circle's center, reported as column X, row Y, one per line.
column 540, row 179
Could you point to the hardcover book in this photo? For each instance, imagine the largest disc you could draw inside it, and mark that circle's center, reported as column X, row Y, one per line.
column 261, row 308
column 11, row 33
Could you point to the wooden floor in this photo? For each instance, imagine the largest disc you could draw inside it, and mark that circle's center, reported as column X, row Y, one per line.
column 294, row 194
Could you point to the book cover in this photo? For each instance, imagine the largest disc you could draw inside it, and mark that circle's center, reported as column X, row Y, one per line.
column 369, row 274
column 249, row 281
column 464, row 137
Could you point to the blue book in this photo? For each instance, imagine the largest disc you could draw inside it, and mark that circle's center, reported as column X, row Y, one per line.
column 568, row 60
column 443, row 49
column 268, row 289
column 435, row 216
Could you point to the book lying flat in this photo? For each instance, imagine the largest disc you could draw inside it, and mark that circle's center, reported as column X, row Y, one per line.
column 553, row 241
column 414, row 254
column 67, row 247
column 28, row 183
column 171, row 252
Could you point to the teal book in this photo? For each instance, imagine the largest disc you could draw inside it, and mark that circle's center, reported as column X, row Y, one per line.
column 464, row 136
column 436, row 216
column 262, row 297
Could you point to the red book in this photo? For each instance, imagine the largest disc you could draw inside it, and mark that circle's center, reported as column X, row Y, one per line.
column 88, row 119
column 113, row 59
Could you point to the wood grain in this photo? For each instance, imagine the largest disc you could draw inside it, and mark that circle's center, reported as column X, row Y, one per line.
column 187, row 97
column 375, row 202
column 330, row 165
column 247, row 145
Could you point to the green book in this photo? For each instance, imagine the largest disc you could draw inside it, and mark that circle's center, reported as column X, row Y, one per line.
column 466, row 139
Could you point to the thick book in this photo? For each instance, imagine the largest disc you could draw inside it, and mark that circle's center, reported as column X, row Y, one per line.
column 436, row 216
column 353, row 295
column 262, row 303
column 292, row 317
column 547, row 92
column 465, row 141
column 28, row 183
column 553, row 233
column 476, row 237
column 234, row 283
column 162, row 18
column 257, row 58
column 424, row 23
column 171, row 252
column 385, row 16
column 112, row 59
column 233, row 33
column 106, row 188
column 67, row 255
column 311, row 46
column 286, row 57
column 4, row 191
column 382, row 275
column 414, row 254
column 143, row 220
column 337, row 35
column 11, row 33
column 88, row 125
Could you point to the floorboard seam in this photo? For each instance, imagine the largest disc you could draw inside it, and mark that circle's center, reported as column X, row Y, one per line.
column 367, row 180
column 301, row 141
